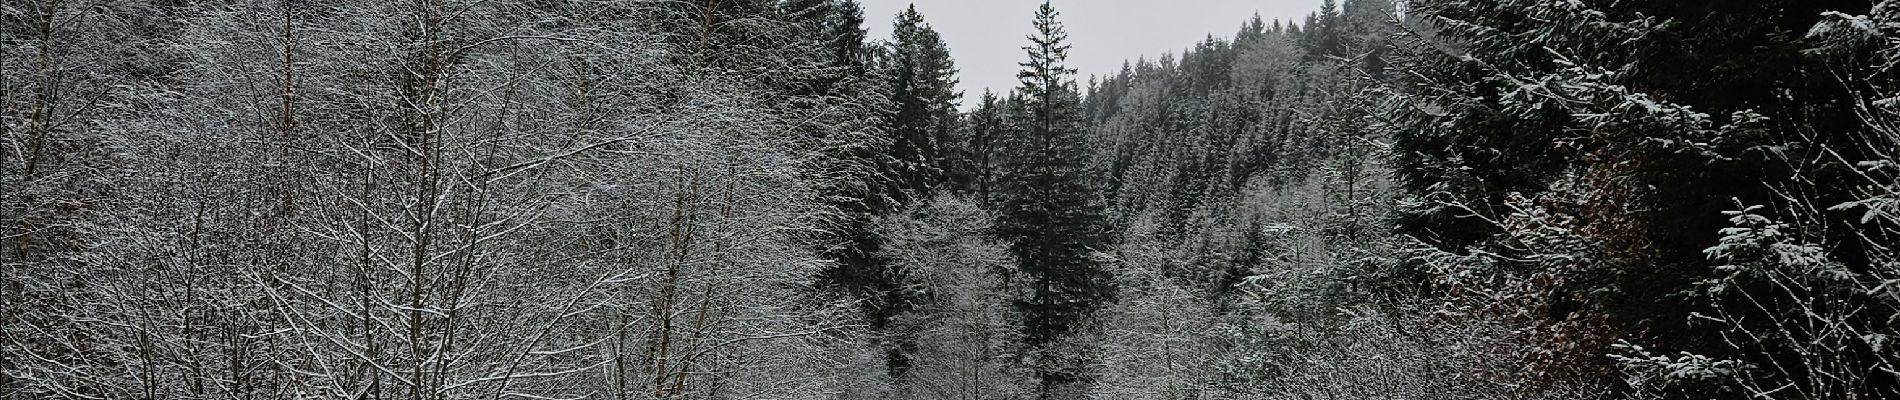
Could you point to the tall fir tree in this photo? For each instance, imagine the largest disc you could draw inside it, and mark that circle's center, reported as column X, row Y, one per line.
column 922, row 79
column 1327, row 37
column 974, row 154
column 1047, row 209
column 848, row 37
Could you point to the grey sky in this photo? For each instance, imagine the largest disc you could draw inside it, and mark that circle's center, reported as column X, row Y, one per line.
column 987, row 36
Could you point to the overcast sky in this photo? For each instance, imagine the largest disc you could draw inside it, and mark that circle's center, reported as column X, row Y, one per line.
column 987, row 36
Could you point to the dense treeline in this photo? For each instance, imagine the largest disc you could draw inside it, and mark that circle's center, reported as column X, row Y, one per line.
column 1585, row 199
column 753, row 199
column 1697, row 188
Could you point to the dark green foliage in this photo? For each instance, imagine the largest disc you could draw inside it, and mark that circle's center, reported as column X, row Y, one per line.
column 922, row 80
column 905, row 95
column 848, row 38
column 1324, row 36
column 1047, row 205
column 1635, row 122
column 906, row 103
column 849, row 106
column 975, row 155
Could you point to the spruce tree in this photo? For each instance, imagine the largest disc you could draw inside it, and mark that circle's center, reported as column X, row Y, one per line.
column 848, row 39
column 1327, row 40
column 1047, row 208
column 1367, row 30
column 850, row 106
column 974, row 154
column 1635, row 122
column 922, row 79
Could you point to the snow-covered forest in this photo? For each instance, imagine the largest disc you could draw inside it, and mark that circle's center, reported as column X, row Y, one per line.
column 755, row 199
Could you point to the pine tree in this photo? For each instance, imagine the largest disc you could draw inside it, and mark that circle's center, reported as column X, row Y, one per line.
column 1048, row 210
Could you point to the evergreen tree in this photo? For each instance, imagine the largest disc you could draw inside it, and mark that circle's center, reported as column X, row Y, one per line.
column 847, row 109
column 848, row 42
column 923, row 88
column 1367, row 32
column 975, row 154
column 1047, row 208
column 1320, row 35
column 1631, row 124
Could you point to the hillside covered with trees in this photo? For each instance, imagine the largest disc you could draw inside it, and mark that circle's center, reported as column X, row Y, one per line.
column 754, row 199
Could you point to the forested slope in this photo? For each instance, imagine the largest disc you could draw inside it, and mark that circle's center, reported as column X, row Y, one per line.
column 1469, row 199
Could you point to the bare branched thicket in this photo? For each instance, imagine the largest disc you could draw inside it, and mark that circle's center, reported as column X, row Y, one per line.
column 284, row 199
column 964, row 334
